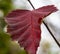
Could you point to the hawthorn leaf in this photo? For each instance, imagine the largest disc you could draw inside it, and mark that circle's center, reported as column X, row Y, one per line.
column 24, row 26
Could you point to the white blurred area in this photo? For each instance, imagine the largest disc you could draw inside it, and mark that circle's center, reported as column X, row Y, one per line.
column 47, row 44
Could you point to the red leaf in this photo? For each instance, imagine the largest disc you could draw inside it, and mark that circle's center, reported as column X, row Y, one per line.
column 24, row 26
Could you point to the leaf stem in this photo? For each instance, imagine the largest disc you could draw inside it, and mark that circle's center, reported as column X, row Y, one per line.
column 46, row 26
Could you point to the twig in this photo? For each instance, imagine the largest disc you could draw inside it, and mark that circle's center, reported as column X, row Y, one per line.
column 46, row 26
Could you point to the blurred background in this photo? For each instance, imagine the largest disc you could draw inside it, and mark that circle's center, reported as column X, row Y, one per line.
column 47, row 44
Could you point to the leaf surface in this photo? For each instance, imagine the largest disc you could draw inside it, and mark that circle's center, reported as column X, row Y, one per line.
column 24, row 26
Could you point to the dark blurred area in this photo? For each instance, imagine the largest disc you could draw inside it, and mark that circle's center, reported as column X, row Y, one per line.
column 5, row 6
